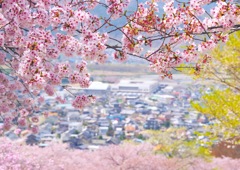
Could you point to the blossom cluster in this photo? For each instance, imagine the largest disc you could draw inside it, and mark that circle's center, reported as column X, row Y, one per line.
column 37, row 38
column 182, row 23
column 116, row 7
column 82, row 101
column 127, row 156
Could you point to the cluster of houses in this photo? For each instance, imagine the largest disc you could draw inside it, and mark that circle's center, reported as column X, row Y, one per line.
column 123, row 110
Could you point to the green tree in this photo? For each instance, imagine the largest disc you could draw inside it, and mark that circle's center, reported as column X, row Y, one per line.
column 174, row 142
column 140, row 136
column 110, row 131
column 220, row 72
column 223, row 105
column 122, row 137
column 76, row 132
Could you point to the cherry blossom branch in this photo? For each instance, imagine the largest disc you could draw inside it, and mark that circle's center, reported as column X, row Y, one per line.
column 121, row 32
column 113, row 46
column 105, row 22
column 135, row 55
column 216, row 27
column 157, row 49
column 115, row 40
column 7, row 24
column 224, row 81
column 65, row 87
column 101, row 3
column 200, row 23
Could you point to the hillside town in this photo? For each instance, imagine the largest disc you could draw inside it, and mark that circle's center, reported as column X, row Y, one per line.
column 123, row 110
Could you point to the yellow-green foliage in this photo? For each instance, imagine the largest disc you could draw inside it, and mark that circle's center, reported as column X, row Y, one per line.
column 223, row 106
column 223, row 66
column 173, row 142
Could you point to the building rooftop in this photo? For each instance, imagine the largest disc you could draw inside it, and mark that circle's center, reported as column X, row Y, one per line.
column 95, row 85
column 136, row 82
column 98, row 86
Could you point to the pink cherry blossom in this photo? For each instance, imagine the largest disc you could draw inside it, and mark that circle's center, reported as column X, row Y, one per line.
column 35, row 119
column 49, row 90
column 40, row 39
column 17, row 131
column 126, row 156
